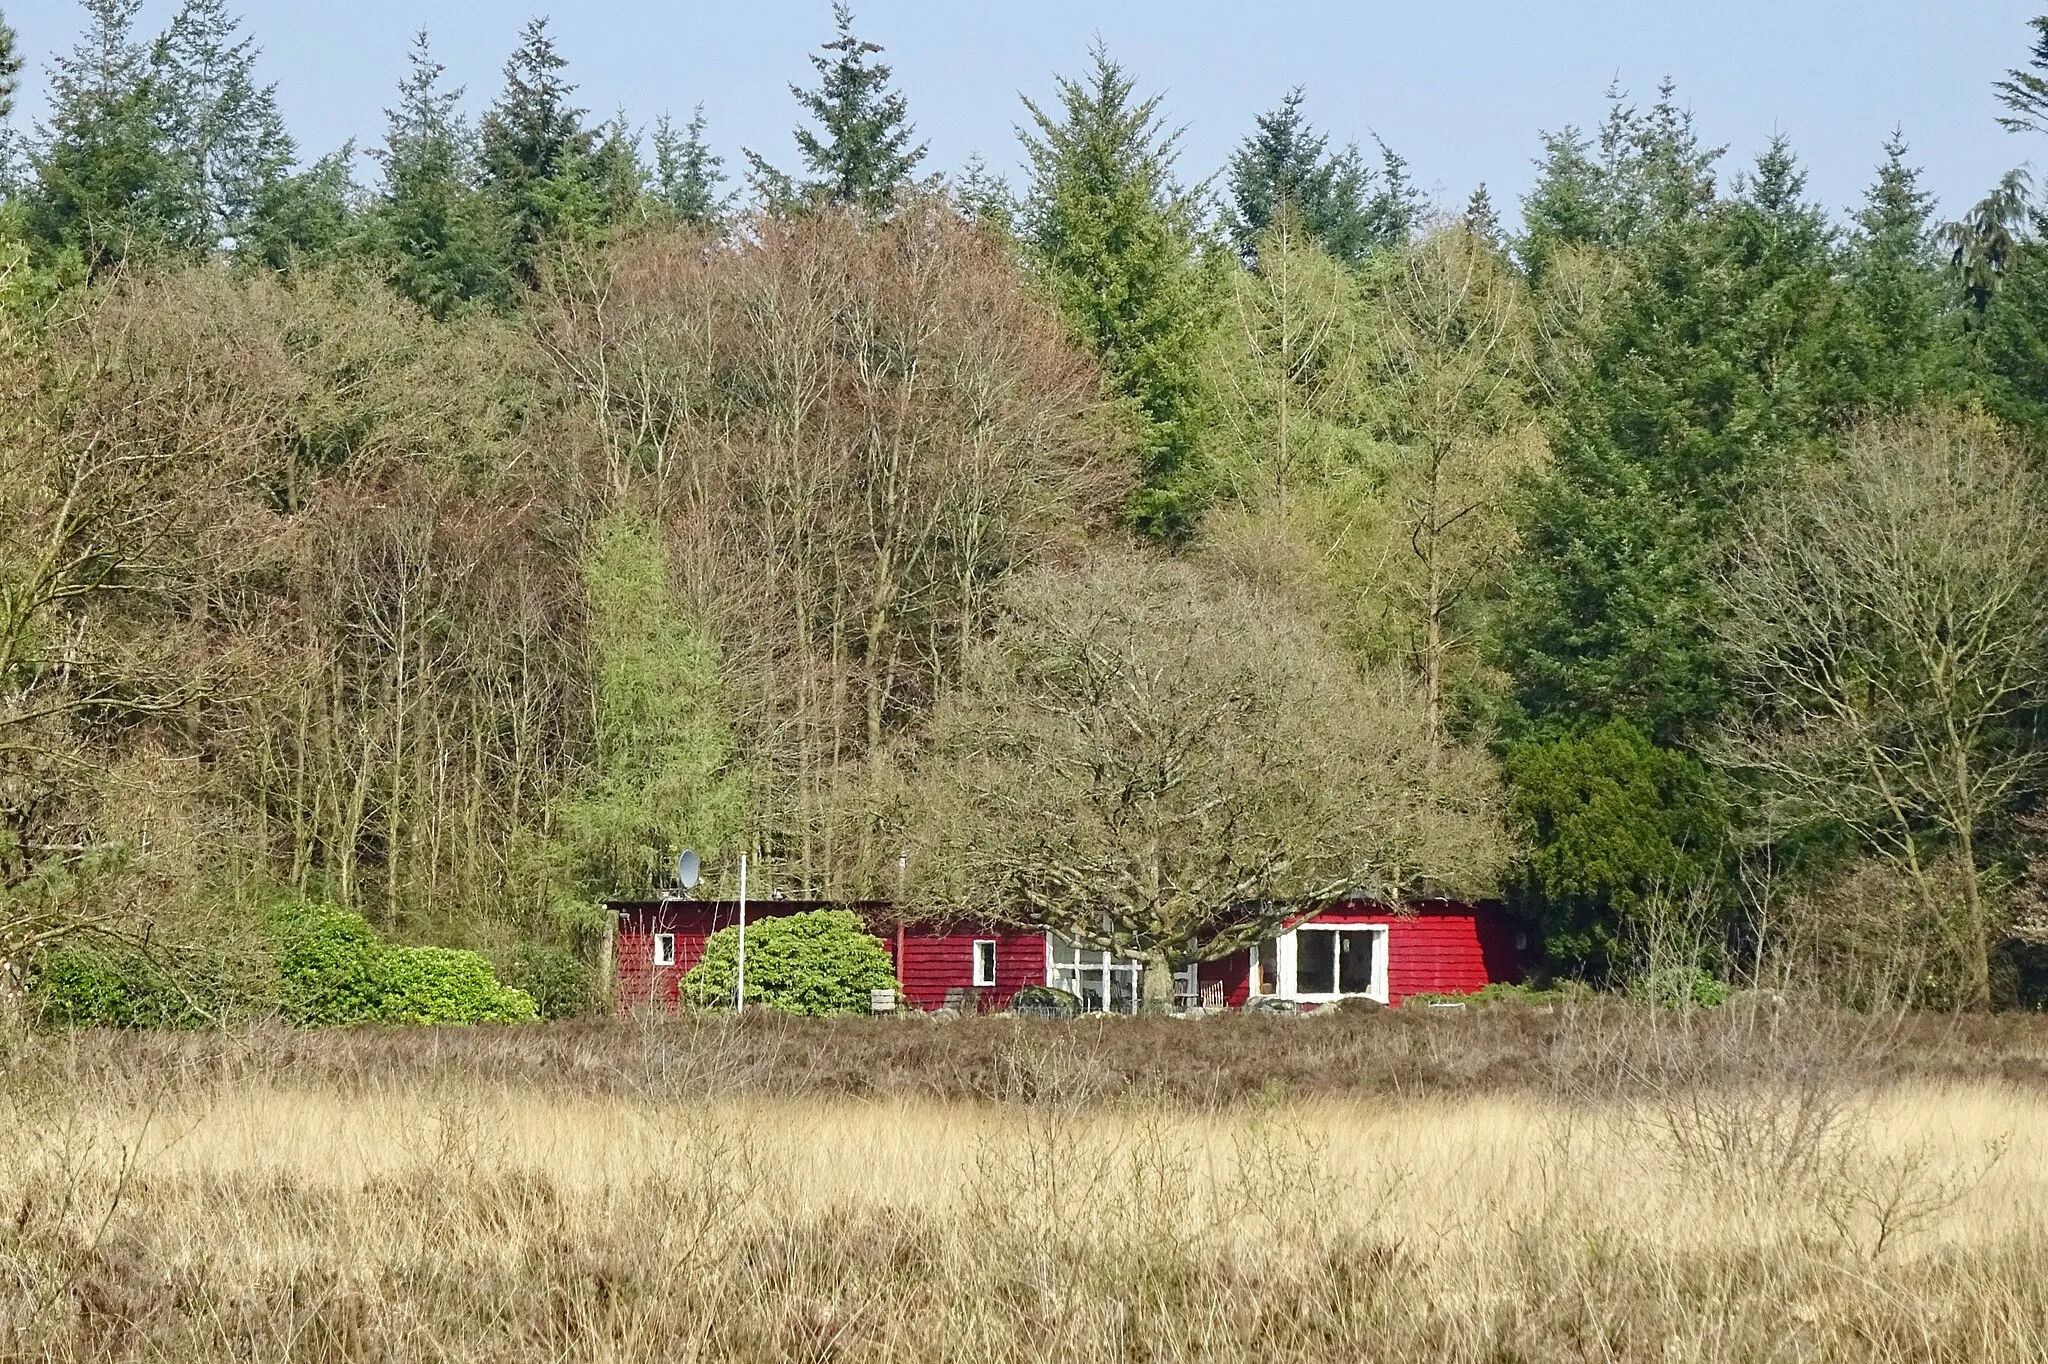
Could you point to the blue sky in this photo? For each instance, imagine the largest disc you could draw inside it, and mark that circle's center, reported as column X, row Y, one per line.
column 1461, row 89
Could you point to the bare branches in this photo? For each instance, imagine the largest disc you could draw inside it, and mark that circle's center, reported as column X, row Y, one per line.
column 1165, row 770
column 1887, row 619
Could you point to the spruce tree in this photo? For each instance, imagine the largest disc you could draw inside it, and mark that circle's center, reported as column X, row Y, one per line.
column 2025, row 92
column 862, row 153
column 1730, row 353
column 985, row 197
column 1482, row 219
column 685, row 186
column 442, row 239
column 550, row 177
column 110, row 184
column 1643, row 174
column 1896, row 275
column 1120, row 243
column 223, row 123
column 1339, row 203
column 10, row 68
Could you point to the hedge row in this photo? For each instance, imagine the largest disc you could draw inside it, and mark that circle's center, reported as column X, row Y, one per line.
column 324, row 967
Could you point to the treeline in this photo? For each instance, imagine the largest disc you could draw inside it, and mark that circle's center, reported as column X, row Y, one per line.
column 1111, row 549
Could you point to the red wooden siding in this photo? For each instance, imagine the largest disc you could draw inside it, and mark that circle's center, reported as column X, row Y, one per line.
column 933, row 962
column 1436, row 947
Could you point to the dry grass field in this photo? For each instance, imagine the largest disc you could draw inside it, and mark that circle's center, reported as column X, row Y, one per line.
column 1595, row 1184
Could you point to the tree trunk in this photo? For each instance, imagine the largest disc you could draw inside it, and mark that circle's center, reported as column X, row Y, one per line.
column 1156, row 996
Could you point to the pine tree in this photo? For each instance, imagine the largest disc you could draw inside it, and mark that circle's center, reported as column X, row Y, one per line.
column 1286, row 163
column 1119, row 242
column 862, row 153
column 224, row 123
column 1895, row 272
column 10, row 69
column 686, row 180
column 110, row 183
column 442, row 239
column 551, row 177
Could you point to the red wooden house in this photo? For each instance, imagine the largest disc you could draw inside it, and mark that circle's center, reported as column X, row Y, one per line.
column 1352, row 950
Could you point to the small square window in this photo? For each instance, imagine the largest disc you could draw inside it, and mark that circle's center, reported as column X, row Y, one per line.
column 985, row 962
column 664, row 949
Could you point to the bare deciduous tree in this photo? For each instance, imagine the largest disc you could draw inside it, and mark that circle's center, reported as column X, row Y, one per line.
column 1166, row 768
column 1888, row 627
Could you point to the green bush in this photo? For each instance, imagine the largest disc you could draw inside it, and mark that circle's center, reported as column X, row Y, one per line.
column 334, row 971
column 1681, row 987
column 121, row 985
column 819, row 963
column 84, row 987
column 558, row 980
column 442, row 985
column 328, row 965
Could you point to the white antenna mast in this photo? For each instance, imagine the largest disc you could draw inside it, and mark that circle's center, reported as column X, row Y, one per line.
column 740, row 993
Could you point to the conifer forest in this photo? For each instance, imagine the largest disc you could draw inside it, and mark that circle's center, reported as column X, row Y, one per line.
column 452, row 531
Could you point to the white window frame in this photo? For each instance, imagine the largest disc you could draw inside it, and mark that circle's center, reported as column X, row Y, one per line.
column 1288, row 957
column 1111, row 973
column 664, row 949
column 983, row 981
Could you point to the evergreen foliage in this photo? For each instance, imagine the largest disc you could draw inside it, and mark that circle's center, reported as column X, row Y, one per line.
column 442, row 240
column 861, row 154
column 1894, row 271
column 815, row 964
column 1342, row 206
column 335, row 971
column 1644, row 174
column 111, row 185
column 1729, row 353
column 551, row 178
column 686, row 179
column 1121, row 245
column 223, row 122
column 10, row 69
column 1610, row 820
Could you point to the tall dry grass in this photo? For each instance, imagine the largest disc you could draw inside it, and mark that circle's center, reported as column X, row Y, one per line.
column 678, row 1208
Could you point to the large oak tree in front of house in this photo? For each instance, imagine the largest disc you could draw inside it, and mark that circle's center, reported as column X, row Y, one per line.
column 1167, row 768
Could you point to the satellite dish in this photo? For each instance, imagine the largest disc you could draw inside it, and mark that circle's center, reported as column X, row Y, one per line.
column 688, row 869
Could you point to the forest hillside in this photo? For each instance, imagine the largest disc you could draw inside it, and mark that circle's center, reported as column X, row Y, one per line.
column 453, row 535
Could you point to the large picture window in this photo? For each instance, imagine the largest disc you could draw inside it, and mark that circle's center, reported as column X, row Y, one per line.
column 1324, row 962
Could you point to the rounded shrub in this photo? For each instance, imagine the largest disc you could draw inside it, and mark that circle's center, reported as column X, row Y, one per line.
column 443, row 985
column 819, row 963
column 328, row 965
column 122, row 985
column 334, row 970
column 83, row 987
column 1682, row 987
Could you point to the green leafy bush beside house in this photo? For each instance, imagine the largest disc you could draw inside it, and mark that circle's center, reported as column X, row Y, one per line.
column 324, row 967
column 820, row 963
column 335, row 970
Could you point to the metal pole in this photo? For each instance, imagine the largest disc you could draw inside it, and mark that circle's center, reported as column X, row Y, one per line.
column 740, row 1000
